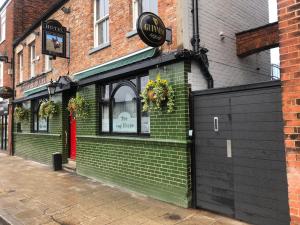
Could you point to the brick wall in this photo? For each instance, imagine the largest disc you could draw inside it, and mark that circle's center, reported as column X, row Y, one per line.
column 158, row 166
column 229, row 17
column 289, row 11
column 80, row 23
column 257, row 39
column 40, row 146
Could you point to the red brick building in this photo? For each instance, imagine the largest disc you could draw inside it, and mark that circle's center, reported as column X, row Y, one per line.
column 16, row 17
column 289, row 11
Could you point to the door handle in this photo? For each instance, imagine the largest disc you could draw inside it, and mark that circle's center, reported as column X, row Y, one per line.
column 66, row 140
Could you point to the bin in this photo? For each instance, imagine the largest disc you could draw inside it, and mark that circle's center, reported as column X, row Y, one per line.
column 57, row 161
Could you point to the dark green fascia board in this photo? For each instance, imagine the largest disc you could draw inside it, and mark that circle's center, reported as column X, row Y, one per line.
column 117, row 64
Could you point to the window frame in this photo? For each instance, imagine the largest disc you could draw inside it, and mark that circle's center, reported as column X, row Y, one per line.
column 32, row 52
column 104, row 19
column 21, row 66
column 36, row 113
column 112, row 90
column 47, row 63
column 1, row 74
column 3, row 26
column 137, row 10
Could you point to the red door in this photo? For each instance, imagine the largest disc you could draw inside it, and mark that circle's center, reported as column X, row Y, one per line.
column 72, row 138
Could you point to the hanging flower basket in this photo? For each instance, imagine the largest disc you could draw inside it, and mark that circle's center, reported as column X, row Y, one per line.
column 21, row 114
column 48, row 109
column 157, row 94
column 78, row 107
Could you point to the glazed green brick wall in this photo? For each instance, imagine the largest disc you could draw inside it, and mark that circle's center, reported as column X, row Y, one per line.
column 40, row 146
column 173, row 125
column 157, row 166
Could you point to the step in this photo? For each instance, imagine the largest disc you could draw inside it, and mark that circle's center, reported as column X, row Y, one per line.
column 70, row 166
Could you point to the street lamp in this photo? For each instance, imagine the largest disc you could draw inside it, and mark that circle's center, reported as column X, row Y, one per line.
column 51, row 88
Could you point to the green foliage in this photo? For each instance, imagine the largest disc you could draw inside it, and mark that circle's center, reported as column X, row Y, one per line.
column 158, row 93
column 21, row 114
column 78, row 107
column 48, row 109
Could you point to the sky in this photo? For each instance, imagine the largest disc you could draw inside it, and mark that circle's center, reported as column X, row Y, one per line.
column 273, row 18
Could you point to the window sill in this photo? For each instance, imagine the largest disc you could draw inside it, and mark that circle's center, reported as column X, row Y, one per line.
column 131, row 33
column 98, row 48
column 38, row 134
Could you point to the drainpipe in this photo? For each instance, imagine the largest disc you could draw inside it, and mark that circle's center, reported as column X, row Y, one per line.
column 13, row 107
column 200, row 54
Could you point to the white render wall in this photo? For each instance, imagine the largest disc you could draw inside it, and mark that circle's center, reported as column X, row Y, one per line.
column 229, row 17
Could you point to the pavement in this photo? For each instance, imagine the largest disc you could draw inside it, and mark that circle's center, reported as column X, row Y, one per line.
column 31, row 193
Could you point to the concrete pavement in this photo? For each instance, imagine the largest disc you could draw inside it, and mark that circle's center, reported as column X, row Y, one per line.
column 31, row 193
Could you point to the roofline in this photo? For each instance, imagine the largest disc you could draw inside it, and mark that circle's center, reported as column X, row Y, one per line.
column 35, row 25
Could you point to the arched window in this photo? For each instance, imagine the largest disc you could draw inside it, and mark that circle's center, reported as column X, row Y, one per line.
column 39, row 124
column 121, row 107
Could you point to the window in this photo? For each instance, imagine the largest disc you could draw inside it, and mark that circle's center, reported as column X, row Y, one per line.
column 39, row 124
column 1, row 73
column 32, row 59
column 21, row 68
column 101, row 21
column 3, row 26
column 121, row 107
column 139, row 6
column 48, row 63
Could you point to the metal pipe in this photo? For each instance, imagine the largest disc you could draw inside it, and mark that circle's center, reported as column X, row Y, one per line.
column 200, row 53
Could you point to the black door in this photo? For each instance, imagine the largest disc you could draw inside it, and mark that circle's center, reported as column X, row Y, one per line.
column 240, row 155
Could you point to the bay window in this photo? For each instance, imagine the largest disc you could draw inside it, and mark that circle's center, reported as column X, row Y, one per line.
column 120, row 106
column 101, row 22
column 21, row 69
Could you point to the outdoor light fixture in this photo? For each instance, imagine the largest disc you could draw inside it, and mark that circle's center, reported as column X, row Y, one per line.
column 4, row 58
column 51, row 88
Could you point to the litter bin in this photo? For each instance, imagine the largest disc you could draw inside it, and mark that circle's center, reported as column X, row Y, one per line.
column 57, row 161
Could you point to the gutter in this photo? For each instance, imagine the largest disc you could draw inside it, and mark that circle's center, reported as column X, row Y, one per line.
column 199, row 53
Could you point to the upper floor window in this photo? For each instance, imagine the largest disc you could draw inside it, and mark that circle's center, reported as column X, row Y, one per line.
column 39, row 124
column 21, row 67
column 101, row 21
column 48, row 63
column 1, row 74
column 140, row 6
column 3, row 26
column 32, row 57
column 121, row 106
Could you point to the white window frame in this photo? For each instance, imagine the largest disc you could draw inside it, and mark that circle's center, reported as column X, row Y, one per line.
column 32, row 59
column 2, row 26
column 153, row 7
column 21, row 66
column 1, row 74
column 48, row 63
column 104, row 19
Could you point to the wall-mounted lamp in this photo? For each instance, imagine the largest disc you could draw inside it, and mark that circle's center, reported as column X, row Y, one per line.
column 4, row 58
column 52, row 88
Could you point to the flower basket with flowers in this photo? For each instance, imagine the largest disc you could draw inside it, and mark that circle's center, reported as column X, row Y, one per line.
column 157, row 94
column 78, row 107
column 21, row 114
column 48, row 109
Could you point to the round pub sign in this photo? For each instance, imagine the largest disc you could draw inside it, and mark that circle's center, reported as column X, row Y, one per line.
column 151, row 29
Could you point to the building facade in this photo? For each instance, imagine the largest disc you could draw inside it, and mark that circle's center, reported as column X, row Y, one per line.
column 109, row 66
column 16, row 16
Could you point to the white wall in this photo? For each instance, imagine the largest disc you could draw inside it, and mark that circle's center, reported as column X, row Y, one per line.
column 230, row 17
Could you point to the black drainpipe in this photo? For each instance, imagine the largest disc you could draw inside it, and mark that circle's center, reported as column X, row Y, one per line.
column 13, row 104
column 200, row 54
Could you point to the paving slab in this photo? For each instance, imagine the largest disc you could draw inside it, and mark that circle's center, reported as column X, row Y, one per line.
column 33, row 194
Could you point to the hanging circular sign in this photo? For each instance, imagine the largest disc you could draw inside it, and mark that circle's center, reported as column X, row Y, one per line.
column 6, row 92
column 151, row 29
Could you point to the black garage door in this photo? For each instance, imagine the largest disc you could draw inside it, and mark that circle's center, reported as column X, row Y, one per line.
column 239, row 153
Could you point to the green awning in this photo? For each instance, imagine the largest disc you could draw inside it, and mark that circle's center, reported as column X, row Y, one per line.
column 35, row 90
column 140, row 56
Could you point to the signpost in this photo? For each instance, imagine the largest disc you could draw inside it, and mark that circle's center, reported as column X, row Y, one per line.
column 151, row 29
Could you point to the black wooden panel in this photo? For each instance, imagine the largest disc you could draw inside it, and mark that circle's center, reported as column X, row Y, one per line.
column 252, row 185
